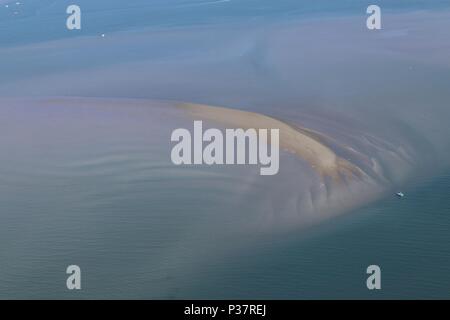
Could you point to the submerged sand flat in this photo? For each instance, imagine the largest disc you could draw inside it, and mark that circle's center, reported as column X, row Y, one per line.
column 315, row 181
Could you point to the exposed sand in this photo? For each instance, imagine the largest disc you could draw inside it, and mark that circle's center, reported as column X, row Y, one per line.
column 299, row 141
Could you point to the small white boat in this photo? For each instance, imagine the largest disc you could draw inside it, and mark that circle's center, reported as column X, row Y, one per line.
column 400, row 194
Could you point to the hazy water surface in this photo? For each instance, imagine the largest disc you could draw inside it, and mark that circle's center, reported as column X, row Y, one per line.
column 89, row 181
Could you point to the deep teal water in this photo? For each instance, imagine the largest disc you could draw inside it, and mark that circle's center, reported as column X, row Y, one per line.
column 408, row 238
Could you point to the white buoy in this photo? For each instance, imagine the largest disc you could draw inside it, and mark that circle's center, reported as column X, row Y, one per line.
column 103, row 35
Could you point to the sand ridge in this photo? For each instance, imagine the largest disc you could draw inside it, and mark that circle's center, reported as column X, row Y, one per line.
column 299, row 141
